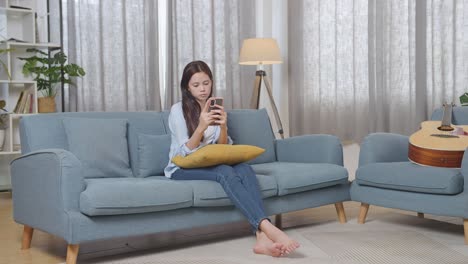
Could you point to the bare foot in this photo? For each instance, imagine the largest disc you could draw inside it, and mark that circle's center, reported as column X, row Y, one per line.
column 278, row 236
column 267, row 247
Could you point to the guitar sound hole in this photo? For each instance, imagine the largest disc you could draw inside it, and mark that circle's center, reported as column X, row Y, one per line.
column 445, row 128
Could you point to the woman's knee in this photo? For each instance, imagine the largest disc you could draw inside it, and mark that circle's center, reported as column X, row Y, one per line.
column 225, row 171
column 244, row 169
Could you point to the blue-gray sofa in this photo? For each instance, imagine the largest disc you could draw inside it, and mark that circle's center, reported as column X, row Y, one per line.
column 387, row 178
column 95, row 175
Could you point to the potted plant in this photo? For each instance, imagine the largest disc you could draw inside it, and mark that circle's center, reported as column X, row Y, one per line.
column 4, row 122
column 5, row 67
column 464, row 99
column 49, row 72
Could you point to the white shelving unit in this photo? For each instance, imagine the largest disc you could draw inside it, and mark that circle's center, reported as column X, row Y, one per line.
column 10, row 94
column 18, row 32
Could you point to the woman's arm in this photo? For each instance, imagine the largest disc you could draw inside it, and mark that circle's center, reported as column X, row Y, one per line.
column 179, row 132
column 206, row 118
column 195, row 139
column 222, row 122
column 223, row 136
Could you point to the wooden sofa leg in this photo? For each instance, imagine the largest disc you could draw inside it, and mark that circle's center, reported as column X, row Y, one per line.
column 72, row 253
column 363, row 213
column 27, row 237
column 465, row 228
column 341, row 212
column 421, row 215
column 279, row 221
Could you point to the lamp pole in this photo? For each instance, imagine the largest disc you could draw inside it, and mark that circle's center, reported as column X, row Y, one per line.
column 260, row 76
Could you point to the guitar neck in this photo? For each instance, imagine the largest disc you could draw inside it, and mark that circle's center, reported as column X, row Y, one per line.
column 447, row 118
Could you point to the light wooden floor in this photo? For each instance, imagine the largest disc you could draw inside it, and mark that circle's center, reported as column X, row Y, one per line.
column 46, row 248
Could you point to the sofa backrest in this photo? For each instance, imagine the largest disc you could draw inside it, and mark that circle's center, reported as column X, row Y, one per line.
column 459, row 115
column 252, row 127
column 47, row 131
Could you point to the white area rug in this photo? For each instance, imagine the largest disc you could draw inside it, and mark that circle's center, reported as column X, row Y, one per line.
column 390, row 238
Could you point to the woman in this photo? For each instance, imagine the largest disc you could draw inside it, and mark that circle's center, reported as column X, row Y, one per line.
column 193, row 126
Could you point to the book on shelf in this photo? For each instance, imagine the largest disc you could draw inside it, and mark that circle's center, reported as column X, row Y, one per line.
column 24, row 100
column 20, row 97
column 26, row 104
column 31, row 103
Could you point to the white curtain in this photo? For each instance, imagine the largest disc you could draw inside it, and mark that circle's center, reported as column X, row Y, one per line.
column 212, row 31
column 116, row 42
column 328, row 62
column 367, row 66
column 392, row 63
column 447, row 51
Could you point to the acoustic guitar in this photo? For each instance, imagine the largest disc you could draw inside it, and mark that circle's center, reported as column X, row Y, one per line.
column 439, row 144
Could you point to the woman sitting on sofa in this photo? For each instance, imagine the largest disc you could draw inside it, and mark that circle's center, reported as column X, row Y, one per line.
column 192, row 126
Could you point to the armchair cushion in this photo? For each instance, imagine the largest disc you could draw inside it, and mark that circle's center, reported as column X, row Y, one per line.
column 407, row 176
column 100, row 145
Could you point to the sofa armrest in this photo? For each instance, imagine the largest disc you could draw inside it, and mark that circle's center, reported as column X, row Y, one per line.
column 46, row 186
column 383, row 147
column 310, row 148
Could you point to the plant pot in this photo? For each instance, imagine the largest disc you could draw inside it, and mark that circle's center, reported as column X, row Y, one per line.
column 46, row 104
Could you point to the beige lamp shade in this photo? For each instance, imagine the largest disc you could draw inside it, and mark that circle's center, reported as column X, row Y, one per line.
column 256, row 51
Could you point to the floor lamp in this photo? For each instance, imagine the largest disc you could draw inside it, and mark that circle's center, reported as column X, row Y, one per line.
column 262, row 51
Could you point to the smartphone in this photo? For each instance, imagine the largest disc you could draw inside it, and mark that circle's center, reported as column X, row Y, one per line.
column 213, row 102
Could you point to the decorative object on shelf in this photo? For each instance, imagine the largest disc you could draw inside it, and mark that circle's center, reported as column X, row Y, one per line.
column 41, row 26
column 5, row 67
column 464, row 99
column 4, row 123
column 49, row 72
column 21, row 4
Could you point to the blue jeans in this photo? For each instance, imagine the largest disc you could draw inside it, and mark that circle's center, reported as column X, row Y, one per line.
column 240, row 184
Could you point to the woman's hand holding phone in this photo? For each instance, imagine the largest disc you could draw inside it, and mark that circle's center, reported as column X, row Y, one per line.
column 217, row 112
column 206, row 117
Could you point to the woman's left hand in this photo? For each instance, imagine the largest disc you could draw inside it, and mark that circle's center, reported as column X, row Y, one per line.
column 221, row 116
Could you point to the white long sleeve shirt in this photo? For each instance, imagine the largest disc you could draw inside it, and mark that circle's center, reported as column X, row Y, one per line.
column 179, row 137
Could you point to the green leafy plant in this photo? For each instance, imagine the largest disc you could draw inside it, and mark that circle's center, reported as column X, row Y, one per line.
column 48, row 71
column 464, row 99
column 5, row 67
column 4, row 115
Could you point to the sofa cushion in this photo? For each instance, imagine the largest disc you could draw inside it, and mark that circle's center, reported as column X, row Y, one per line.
column 100, row 145
column 293, row 177
column 153, row 154
column 407, row 176
column 210, row 193
column 115, row 196
column 217, row 154
column 252, row 127
column 149, row 123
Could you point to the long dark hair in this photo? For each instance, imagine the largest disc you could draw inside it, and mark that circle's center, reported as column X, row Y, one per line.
column 190, row 106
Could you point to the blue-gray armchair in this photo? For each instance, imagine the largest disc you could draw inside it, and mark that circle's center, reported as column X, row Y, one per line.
column 387, row 178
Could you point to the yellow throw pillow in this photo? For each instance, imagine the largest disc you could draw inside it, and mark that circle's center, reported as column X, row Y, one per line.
column 216, row 154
